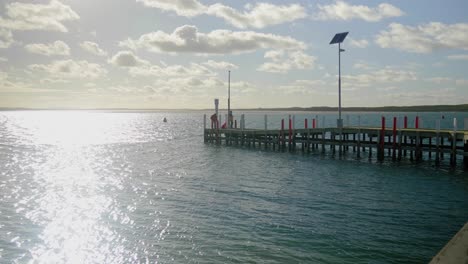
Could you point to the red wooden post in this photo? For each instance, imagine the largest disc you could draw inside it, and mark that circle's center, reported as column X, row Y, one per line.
column 416, row 125
column 282, row 132
column 305, row 123
column 394, row 137
column 313, row 123
column 382, row 139
column 406, row 122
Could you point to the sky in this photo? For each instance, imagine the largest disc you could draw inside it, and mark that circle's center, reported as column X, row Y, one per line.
column 173, row 54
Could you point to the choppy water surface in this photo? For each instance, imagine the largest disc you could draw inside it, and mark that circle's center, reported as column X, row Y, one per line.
column 94, row 187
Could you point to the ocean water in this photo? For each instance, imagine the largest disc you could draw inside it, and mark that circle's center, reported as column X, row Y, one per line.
column 104, row 187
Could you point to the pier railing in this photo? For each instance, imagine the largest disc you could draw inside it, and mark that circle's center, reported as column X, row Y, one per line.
column 393, row 142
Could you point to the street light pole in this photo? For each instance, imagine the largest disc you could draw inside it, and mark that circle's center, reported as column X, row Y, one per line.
column 338, row 38
column 339, row 83
column 229, row 100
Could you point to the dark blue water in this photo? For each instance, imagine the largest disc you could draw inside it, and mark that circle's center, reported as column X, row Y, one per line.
column 92, row 187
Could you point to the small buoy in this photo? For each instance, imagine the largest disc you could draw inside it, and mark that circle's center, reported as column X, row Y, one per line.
column 165, row 120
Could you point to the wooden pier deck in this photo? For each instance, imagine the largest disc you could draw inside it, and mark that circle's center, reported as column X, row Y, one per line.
column 391, row 143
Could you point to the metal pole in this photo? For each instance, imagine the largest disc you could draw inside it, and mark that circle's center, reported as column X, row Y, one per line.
column 229, row 99
column 340, row 122
column 339, row 81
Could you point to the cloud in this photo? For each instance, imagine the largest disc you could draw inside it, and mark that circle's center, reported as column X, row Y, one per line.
column 259, row 16
column 343, row 11
column 2, row 59
column 139, row 67
column 424, row 38
column 303, row 87
column 70, row 69
column 359, row 43
column 284, row 61
column 461, row 82
column 362, row 65
column 6, row 38
column 188, row 8
column 220, row 65
column 57, row 48
column 458, row 57
column 48, row 17
column 439, row 80
column 187, row 39
column 127, row 59
column 171, row 71
column 386, row 75
column 3, row 76
column 93, row 48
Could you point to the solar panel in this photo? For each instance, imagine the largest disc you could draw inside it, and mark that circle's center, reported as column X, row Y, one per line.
column 338, row 38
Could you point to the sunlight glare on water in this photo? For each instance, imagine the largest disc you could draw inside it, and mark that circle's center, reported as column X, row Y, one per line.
column 103, row 187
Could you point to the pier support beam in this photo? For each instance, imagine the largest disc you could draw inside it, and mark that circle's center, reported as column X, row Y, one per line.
column 465, row 158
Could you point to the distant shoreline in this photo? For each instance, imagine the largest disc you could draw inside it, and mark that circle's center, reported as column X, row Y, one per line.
column 418, row 108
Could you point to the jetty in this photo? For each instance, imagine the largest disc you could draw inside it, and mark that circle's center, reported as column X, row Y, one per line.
column 394, row 143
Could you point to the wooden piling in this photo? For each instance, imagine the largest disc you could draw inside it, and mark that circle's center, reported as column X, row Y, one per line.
column 394, row 138
column 380, row 154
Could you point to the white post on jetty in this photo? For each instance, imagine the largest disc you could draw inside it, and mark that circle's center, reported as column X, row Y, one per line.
column 454, row 125
column 242, row 122
column 227, row 120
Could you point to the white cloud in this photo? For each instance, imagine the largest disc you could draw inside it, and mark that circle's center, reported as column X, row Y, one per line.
column 93, row 48
column 259, row 16
column 362, row 65
column 127, row 59
column 187, row 39
column 304, row 87
column 139, row 67
column 3, row 76
column 386, row 75
column 439, row 80
column 50, row 17
column 170, row 71
column 70, row 69
column 282, row 61
column 2, row 59
column 56, row 48
column 187, row 8
column 461, row 82
column 54, row 81
column 458, row 57
column 343, row 11
column 6, row 38
column 359, row 43
column 220, row 65
column 424, row 38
